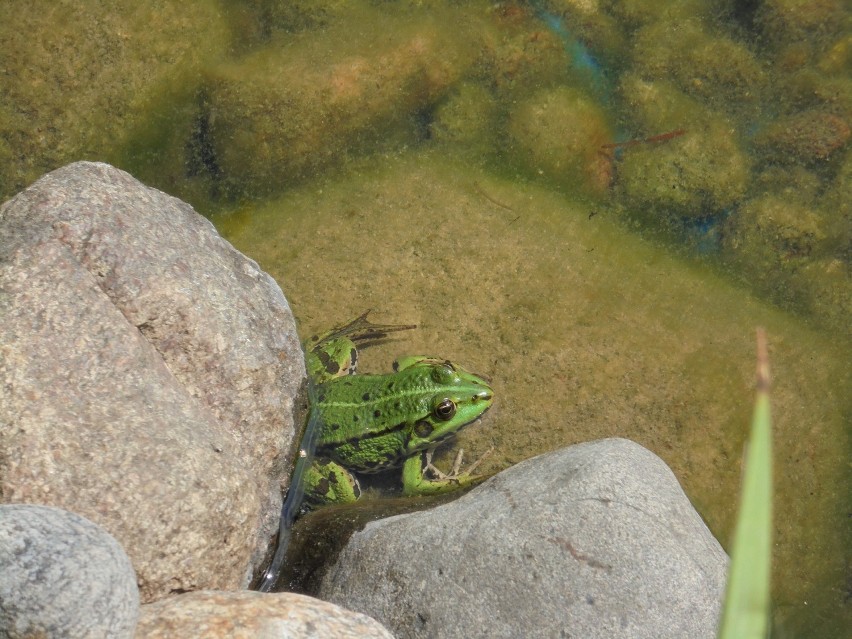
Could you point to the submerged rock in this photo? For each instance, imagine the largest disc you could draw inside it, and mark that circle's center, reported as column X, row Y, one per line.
column 559, row 132
column 807, row 136
column 279, row 113
column 706, row 65
column 702, row 170
column 595, row 540
column 466, row 119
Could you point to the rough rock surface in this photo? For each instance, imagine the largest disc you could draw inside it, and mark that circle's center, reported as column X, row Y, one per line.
column 148, row 371
column 246, row 615
column 595, row 540
column 62, row 576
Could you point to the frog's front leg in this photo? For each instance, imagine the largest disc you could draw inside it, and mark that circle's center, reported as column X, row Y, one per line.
column 327, row 482
column 415, row 483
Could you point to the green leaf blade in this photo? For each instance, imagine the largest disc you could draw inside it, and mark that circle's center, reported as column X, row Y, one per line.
column 746, row 611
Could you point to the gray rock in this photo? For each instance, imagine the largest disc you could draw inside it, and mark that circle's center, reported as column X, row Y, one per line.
column 595, row 540
column 147, row 376
column 246, row 615
column 62, row 576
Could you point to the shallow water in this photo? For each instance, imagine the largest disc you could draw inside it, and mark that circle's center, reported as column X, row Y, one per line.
column 594, row 206
column 586, row 330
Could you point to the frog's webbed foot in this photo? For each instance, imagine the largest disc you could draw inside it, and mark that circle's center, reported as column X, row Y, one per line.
column 455, row 473
column 359, row 331
column 414, row 481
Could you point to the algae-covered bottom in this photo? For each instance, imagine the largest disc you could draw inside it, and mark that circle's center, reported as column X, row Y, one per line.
column 586, row 331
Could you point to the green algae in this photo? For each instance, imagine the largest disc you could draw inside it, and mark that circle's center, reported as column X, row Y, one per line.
column 79, row 77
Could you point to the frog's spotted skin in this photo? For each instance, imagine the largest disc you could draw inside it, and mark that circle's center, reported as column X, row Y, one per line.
column 371, row 423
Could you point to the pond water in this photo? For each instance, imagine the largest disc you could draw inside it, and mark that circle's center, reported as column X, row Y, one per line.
column 594, row 204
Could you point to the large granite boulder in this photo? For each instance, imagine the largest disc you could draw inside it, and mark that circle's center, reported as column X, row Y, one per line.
column 147, row 376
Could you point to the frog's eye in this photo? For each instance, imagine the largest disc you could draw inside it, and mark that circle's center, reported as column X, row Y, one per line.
column 445, row 409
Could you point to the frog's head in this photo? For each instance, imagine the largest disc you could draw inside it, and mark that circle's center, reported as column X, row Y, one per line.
column 456, row 397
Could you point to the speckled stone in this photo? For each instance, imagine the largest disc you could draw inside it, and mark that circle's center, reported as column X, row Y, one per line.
column 148, row 372
column 62, row 576
column 250, row 615
column 594, row 540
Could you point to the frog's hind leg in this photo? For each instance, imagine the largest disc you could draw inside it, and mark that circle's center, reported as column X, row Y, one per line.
column 335, row 353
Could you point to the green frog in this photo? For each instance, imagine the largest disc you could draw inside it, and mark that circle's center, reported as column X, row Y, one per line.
column 372, row 423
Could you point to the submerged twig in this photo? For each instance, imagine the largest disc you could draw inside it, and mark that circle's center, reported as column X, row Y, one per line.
column 482, row 192
column 662, row 137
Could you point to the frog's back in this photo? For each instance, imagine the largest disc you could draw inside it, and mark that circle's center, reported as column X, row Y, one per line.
column 360, row 406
